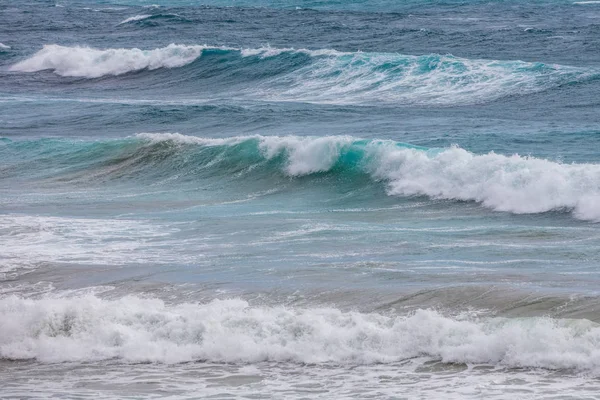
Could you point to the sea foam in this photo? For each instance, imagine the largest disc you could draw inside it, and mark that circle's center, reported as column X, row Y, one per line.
column 135, row 18
column 93, row 63
column 85, row 328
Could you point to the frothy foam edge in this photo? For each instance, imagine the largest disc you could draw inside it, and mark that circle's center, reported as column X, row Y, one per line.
column 133, row 329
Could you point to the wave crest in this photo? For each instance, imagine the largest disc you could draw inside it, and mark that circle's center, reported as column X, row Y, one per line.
column 88, row 62
column 135, row 18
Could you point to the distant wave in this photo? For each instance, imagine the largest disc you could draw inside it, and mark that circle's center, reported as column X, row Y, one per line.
column 516, row 184
column 94, row 63
column 4, row 47
column 132, row 329
column 321, row 76
column 135, row 18
column 154, row 17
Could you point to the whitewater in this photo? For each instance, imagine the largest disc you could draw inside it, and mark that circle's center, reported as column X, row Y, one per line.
column 328, row 200
column 141, row 330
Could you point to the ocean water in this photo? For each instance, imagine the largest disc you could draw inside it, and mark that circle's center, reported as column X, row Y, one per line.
column 300, row 199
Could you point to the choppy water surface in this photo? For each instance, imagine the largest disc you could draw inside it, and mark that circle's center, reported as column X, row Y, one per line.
column 324, row 199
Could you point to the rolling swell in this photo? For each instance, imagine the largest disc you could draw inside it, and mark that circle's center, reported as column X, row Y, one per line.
column 513, row 184
column 316, row 76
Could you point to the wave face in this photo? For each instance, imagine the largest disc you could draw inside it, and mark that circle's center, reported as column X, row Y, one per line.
column 87, row 328
column 320, row 76
column 503, row 183
column 516, row 184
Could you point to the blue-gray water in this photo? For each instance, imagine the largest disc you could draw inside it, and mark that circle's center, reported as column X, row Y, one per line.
column 303, row 199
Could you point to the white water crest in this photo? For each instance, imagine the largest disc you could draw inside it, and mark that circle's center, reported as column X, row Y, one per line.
column 368, row 78
column 87, row 328
column 4, row 47
column 93, row 63
column 135, row 18
column 517, row 184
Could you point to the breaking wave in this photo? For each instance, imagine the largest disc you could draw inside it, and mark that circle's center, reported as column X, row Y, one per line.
column 516, row 184
column 132, row 329
column 93, row 63
column 319, row 76
column 135, row 18
column 152, row 18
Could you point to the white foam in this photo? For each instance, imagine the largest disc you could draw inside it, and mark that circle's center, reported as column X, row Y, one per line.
column 358, row 78
column 306, row 155
column 268, row 51
column 93, row 63
column 4, row 47
column 516, row 184
column 185, row 139
column 135, row 18
column 503, row 183
column 84, row 327
column 29, row 241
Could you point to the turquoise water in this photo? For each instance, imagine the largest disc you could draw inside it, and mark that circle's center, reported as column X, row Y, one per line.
column 321, row 199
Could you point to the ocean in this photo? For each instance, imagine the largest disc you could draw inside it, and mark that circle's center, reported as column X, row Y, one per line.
column 268, row 199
